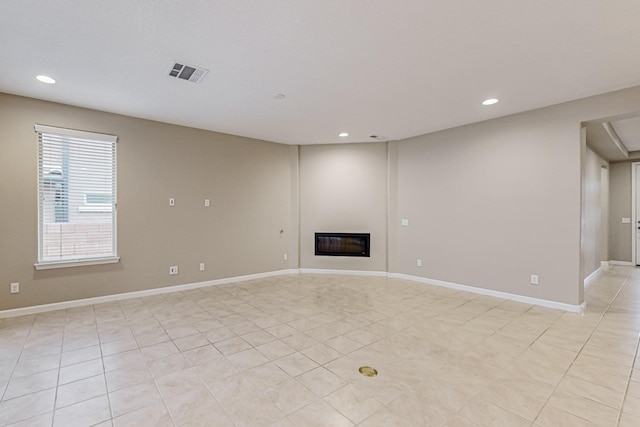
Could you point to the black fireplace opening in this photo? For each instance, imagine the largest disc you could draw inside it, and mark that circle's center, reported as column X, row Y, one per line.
column 343, row 244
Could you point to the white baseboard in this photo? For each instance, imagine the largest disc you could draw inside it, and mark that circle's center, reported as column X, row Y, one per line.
column 593, row 274
column 625, row 263
column 482, row 291
column 137, row 294
column 344, row 272
column 492, row 293
column 587, row 280
column 169, row 289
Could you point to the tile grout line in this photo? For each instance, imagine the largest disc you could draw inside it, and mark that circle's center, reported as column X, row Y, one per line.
column 601, row 320
column 595, row 327
column 11, row 377
column 13, row 371
column 626, row 389
column 495, row 332
column 104, row 373
column 55, row 397
column 139, row 347
column 64, row 331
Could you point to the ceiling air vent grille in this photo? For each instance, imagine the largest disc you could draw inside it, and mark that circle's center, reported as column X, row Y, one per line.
column 186, row 72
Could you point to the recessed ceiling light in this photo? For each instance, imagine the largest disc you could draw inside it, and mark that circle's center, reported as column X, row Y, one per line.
column 46, row 79
column 343, row 135
column 490, row 101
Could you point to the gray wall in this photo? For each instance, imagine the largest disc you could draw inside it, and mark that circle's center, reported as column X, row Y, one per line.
column 248, row 182
column 595, row 198
column 492, row 203
column 620, row 207
column 489, row 204
column 604, row 205
column 343, row 188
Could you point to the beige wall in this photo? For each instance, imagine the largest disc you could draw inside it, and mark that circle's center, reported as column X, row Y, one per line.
column 492, row 203
column 620, row 207
column 248, row 182
column 343, row 188
column 604, row 204
column 294, row 235
column 489, row 204
column 595, row 210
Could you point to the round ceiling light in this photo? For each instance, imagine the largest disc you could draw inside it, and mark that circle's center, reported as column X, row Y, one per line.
column 343, row 135
column 46, row 79
column 490, row 101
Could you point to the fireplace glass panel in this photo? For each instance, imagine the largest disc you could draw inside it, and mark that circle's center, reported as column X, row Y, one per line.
column 343, row 244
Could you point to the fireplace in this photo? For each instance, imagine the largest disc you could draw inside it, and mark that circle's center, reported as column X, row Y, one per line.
column 343, row 244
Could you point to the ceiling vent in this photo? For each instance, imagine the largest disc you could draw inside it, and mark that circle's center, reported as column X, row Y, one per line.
column 186, row 72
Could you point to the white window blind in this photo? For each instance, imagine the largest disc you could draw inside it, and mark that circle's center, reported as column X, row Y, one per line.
column 76, row 197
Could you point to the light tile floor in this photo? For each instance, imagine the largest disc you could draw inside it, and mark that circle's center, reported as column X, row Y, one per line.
column 285, row 351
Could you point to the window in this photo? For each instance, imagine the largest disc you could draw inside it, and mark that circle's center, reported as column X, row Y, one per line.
column 76, row 198
column 96, row 202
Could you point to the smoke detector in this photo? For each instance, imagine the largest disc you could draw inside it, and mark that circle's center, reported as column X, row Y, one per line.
column 187, row 72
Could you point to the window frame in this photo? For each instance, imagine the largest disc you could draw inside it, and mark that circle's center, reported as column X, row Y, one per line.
column 42, row 262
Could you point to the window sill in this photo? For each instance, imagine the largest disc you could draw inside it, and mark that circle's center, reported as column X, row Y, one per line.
column 77, row 263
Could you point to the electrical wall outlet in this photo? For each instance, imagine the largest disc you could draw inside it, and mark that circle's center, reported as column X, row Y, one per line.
column 172, row 201
column 202, row 266
column 15, row 288
column 173, row 269
column 285, row 257
column 207, row 203
column 419, row 263
column 534, row 279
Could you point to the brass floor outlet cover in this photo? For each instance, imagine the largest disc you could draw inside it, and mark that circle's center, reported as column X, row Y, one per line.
column 368, row 371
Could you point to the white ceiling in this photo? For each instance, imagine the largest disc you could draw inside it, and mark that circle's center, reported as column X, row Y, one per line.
column 628, row 130
column 391, row 68
column 615, row 139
